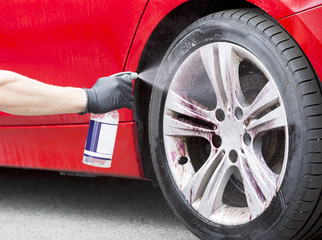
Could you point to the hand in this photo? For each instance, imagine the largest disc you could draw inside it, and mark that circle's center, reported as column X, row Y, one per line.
column 109, row 93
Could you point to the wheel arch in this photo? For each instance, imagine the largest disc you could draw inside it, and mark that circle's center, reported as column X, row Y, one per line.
column 172, row 24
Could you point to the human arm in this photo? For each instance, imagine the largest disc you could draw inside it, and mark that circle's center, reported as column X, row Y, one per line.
column 25, row 96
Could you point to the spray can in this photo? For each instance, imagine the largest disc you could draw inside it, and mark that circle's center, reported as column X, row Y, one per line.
column 101, row 134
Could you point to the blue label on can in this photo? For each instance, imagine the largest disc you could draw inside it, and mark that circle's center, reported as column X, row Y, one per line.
column 94, row 129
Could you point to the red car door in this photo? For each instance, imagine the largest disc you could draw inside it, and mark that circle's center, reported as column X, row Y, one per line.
column 66, row 43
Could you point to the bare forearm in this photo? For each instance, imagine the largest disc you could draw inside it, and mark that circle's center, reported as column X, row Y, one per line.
column 25, row 96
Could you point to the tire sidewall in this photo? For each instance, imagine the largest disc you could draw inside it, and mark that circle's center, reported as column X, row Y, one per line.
column 196, row 36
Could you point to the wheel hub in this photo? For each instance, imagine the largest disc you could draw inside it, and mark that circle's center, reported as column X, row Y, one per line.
column 231, row 131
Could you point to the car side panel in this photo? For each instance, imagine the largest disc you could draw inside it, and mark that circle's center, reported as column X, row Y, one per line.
column 86, row 40
column 66, row 43
column 60, row 148
column 283, row 8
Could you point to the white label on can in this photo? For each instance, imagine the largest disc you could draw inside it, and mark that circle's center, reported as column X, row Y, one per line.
column 106, row 139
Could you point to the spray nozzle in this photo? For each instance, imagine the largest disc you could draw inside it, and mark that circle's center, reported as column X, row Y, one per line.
column 129, row 75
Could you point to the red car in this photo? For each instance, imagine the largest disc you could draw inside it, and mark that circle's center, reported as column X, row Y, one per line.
column 228, row 107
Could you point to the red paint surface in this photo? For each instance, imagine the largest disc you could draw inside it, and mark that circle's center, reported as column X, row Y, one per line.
column 61, row 148
column 67, row 43
column 282, row 8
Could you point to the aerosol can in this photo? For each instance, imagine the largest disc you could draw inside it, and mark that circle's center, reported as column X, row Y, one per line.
column 101, row 134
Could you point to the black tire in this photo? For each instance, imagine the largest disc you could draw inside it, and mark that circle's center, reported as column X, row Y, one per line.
column 295, row 210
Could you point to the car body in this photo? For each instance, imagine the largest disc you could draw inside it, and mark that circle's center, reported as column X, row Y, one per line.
column 59, row 43
column 72, row 43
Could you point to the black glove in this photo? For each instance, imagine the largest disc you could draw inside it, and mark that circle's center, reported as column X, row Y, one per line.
column 109, row 93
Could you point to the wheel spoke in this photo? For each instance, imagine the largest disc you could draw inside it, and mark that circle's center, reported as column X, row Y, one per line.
column 254, row 197
column 183, row 128
column 176, row 148
column 212, row 67
column 198, row 183
column 267, row 97
column 179, row 104
column 229, row 64
column 274, row 119
column 265, row 178
column 212, row 197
